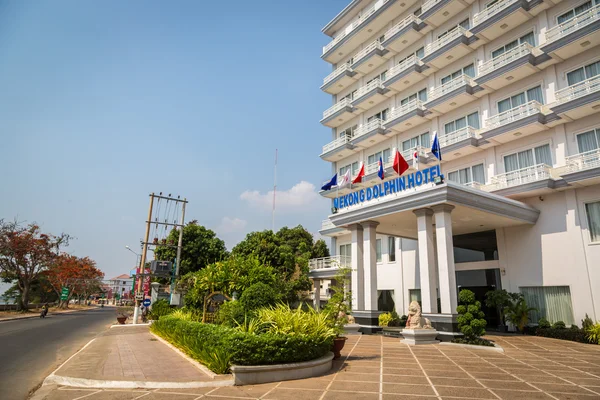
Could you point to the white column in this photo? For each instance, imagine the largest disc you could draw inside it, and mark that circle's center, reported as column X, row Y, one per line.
column 317, row 298
column 358, row 298
column 370, row 265
column 426, row 260
column 445, row 253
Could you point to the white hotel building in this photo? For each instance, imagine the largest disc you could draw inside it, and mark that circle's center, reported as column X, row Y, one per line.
column 513, row 89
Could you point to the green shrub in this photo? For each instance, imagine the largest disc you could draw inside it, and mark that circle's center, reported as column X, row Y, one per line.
column 564, row 334
column 230, row 314
column 471, row 320
column 402, row 320
column 160, row 308
column 586, row 323
column 257, row 296
column 592, row 333
column 385, row 319
column 518, row 313
column 283, row 320
column 559, row 325
column 543, row 323
column 574, row 327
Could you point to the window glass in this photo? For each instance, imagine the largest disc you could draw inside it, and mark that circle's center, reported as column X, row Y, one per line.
column 414, row 295
column 425, row 140
column 543, row 155
column 469, row 70
column 385, row 300
column 392, row 248
column 478, row 173
column 593, row 217
column 378, row 249
column 473, row 120
column 528, row 158
column 528, row 38
column 355, row 168
column 345, row 250
column 453, row 177
column 551, row 302
column 574, row 12
column 583, row 73
column 520, row 99
column 423, row 95
column 420, row 53
column 588, row 141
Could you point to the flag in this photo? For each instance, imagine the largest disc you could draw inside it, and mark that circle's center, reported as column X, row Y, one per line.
column 361, row 173
column 400, row 164
column 344, row 179
column 416, row 159
column 435, row 146
column 380, row 171
column 330, row 184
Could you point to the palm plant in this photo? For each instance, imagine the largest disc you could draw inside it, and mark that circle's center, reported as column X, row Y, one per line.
column 518, row 313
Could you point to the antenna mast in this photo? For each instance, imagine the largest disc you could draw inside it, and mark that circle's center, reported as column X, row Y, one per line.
column 274, row 193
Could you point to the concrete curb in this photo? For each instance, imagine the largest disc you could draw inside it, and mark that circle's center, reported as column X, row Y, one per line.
column 37, row 315
column 127, row 325
column 104, row 384
column 475, row 347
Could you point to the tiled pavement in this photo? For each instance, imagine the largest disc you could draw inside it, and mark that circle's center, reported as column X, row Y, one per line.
column 375, row 367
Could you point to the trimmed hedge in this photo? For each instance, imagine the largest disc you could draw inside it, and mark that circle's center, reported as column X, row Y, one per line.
column 241, row 348
column 565, row 334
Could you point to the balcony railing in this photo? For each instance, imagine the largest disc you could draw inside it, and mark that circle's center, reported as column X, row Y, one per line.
column 337, row 107
column 398, row 112
column 338, row 71
column 578, row 22
column 401, row 25
column 355, row 25
column 506, row 58
column 448, row 87
column 408, row 153
column 444, row 40
column 458, row 136
column 583, row 161
column 375, row 83
column 429, row 4
column 474, row 185
column 375, row 123
column 578, row 90
column 339, row 142
column 330, row 262
column 374, row 167
column 403, row 66
column 492, row 10
column 514, row 114
column 521, row 176
column 364, row 52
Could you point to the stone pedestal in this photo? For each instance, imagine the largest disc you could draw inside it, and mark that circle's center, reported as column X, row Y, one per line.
column 419, row 336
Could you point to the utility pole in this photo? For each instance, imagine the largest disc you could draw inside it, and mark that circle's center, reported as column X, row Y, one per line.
column 176, row 297
column 274, row 193
column 140, row 275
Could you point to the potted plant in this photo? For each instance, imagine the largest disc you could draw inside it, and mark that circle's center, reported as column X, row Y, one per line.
column 123, row 313
column 518, row 313
column 337, row 310
column 501, row 300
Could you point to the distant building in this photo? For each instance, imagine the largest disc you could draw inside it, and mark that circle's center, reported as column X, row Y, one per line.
column 120, row 285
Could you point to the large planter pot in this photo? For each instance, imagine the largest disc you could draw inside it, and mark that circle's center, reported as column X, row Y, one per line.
column 121, row 320
column 338, row 345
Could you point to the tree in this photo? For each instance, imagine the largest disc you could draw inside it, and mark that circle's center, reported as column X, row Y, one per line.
column 320, row 249
column 201, row 247
column 79, row 275
column 470, row 320
column 25, row 252
column 518, row 313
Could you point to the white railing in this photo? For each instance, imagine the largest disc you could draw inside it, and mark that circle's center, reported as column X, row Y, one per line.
column 374, row 167
column 494, row 9
column 514, row 114
column 448, row 87
column 355, row 25
column 583, row 161
column 364, row 52
column 521, row 176
column 330, row 262
column 578, row 90
column 375, row 123
column 374, row 84
column 474, row 185
column 408, row 153
column 444, row 40
column 401, row 25
column 429, row 4
column 403, row 66
column 398, row 112
column 578, row 22
column 337, row 107
column 339, row 142
column 338, row 71
column 505, row 58
column 458, row 136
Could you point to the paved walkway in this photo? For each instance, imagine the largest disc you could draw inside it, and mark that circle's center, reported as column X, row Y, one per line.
column 377, row 367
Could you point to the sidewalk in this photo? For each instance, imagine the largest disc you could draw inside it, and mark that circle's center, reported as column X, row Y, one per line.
column 11, row 316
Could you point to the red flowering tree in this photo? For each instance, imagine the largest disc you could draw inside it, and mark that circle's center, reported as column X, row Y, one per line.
column 80, row 275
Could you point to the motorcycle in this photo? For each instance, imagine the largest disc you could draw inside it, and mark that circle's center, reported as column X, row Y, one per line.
column 44, row 313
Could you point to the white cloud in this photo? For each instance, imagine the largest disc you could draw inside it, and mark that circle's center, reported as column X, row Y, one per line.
column 231, row 225
column 299, row 198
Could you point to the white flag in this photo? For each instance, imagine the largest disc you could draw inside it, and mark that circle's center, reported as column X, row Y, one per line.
column 416, row 159
column 344, row 179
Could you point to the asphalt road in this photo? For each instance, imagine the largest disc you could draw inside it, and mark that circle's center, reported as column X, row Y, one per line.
column 30, row 349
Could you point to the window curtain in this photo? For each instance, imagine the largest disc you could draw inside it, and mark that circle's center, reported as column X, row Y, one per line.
column 574, row 77
column 593, row 216
column 543, row 155
column 566, row 16
column 592, row 70
column 465, row 175
column 535, row 94
column 392, row 248
column 414, row 295
column 386, row 155
column 552, row 303
column 498, row 52
column 449, row 127
column 587, row 141
column 378, row 249
column 425, row 140
column 420, row 53
column 461, row 123
column 473, row 120
column 406, row 145
column 525, row 159
column 469, row 70
column 423, row 95
column 479, row 173
column 517, row 100
column 453, row 177
column 504, row 105
column 355, row 168
column 511, row 163
column 529, row 38
column 446, row 79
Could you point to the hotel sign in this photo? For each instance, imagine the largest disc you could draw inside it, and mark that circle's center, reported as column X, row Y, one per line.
column 383, row 189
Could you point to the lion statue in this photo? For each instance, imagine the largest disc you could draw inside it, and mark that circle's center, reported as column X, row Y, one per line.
column 415, row 320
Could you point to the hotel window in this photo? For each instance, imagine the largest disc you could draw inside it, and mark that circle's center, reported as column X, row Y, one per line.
column 349, row 96
column 521, row 98
column 378, row 249
column 583, row 73
column 348, row 132
column 384, row 155
column 381, row 77
column 385, row 300
column 354, row 167
column 420, row 53
column 414, row 295
column 528, row 158
column 421, row 140
column 476, row 173
column 471, row 120
column 391, row 249
column 465, row 24
column 382, row 115
column 529, row 38
column 421, row 95
column 551, row 302
column 588, row 141
column 576, row 11
column 345, row 250
column 469, row 70
column 593, row 216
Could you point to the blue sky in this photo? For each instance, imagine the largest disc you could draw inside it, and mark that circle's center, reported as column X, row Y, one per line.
column 103, row 102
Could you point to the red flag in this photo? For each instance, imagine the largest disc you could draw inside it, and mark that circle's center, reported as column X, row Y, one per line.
column 400, row 164
column 360, row 175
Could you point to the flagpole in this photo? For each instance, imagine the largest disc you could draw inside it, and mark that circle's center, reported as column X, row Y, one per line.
column 274, row 192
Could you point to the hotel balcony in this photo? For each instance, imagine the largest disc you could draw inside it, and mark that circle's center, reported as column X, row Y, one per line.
column 582, row 169
column 526, row 119
column 452, row 94
column 370, row 95
column 329, row 229
column 339, row 79
column 406, row 116
column 499, row 18
column 452, row 46
column 371, row 176
column 338, row 149
column 404, row 32
column 404, row 74
column 371, row 21
column 507, row 68
column 327, row 267
column 339, row 113
column 436, row 12
column 579, row 100
column 525, row 182
column 459, row 143
column 369, row 134
column 371, row 57
column 574, row 36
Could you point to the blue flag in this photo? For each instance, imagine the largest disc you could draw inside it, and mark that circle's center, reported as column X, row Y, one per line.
column 435, row 146
column 330, row 184
column 380, row 170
